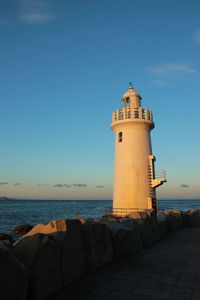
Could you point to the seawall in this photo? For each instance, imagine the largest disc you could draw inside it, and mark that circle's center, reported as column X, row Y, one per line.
column 55, row 255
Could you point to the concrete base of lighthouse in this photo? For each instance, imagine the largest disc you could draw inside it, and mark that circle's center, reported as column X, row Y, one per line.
column 111, row 213
column 126, row 212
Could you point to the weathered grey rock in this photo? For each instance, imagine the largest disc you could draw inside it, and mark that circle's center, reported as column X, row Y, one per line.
column 162, row 223
column 22, row 229
column 97, row 245
column 137, row 231
column 54, row 256
column 13, row 277
column 174, row 220
column 123, row 239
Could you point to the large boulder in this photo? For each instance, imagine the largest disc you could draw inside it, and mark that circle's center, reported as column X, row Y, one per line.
column 6, row 239
column 162, row 223
column 35, row 230
column 149, row 227
column 123, row 239
column 111, row 218
column 13, row 277
column 22, row 229
column 137, row 231
column 188, row 221
column 94, row 220
column 97, row 245
column 54, row 255
column 195, row 216
column 82, row 220
column 174, row 220
column 154, row 224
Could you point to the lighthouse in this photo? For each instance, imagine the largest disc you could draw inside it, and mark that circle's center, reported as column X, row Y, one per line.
column 135, row 180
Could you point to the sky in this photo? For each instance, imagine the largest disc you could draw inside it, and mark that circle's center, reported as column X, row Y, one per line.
column 64, row 66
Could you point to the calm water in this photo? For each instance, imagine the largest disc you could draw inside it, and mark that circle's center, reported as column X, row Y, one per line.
column 16, row 212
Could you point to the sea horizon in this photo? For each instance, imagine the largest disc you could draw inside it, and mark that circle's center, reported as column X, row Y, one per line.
column 15, row 212
column 47, row 199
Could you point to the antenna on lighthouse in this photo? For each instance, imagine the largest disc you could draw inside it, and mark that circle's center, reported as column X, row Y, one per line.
column 130, row 85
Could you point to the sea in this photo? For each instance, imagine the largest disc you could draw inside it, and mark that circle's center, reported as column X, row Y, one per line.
column 16, row 212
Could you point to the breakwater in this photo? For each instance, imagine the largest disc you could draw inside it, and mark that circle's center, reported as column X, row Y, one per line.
column 52, row 256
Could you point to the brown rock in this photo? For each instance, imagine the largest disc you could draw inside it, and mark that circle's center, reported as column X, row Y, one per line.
column 35, row 230
column 162, row 222
column 174, row 220
column 53, row 254
column 7, row 238
column 137, row 231
column 82, row 220
column 149, row 227
column 97, row 245
column 111, row 218
column 94, row 220
column 22, row 229
column 188, row 220
column 196, row 217
column 123, row 239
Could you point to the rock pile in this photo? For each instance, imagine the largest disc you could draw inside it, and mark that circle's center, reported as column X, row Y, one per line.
column 49, row 257
column 22, row 229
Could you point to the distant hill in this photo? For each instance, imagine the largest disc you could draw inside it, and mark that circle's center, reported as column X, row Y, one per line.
column 5, row 198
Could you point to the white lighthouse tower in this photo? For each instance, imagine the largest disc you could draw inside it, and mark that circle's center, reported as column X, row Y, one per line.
column 134, row 175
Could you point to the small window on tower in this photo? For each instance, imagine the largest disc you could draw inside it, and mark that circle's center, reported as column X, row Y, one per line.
column 127, row 102
column 120, row 137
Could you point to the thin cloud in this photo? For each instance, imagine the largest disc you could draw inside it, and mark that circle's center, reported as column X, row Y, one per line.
column 172, row 69
column 184, row 185
column 160, row 82
column 79, row 184
column 36, row 18
column 17, row 183
column 67, row 185
column 58, row 185
column 35, row 12
column 3, row 183
column 197, row 36
column 100, row 186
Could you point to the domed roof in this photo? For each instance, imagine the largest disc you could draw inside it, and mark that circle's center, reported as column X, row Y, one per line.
column 131, row 92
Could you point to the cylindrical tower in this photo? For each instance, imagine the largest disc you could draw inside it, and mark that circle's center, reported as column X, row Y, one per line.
column 134, row 175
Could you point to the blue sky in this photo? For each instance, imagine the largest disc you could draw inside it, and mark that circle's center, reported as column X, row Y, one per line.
column 64, row 66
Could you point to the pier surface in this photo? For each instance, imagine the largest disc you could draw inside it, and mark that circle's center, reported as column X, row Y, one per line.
column 169, row 269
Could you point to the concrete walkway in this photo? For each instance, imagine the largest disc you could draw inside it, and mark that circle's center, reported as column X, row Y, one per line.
column 169, row 269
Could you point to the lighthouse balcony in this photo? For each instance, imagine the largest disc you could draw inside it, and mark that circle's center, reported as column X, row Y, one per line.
column 160, row 178
column 129, row 113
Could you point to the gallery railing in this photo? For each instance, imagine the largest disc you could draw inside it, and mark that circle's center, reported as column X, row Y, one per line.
column 122, row 211
column 132, row 113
